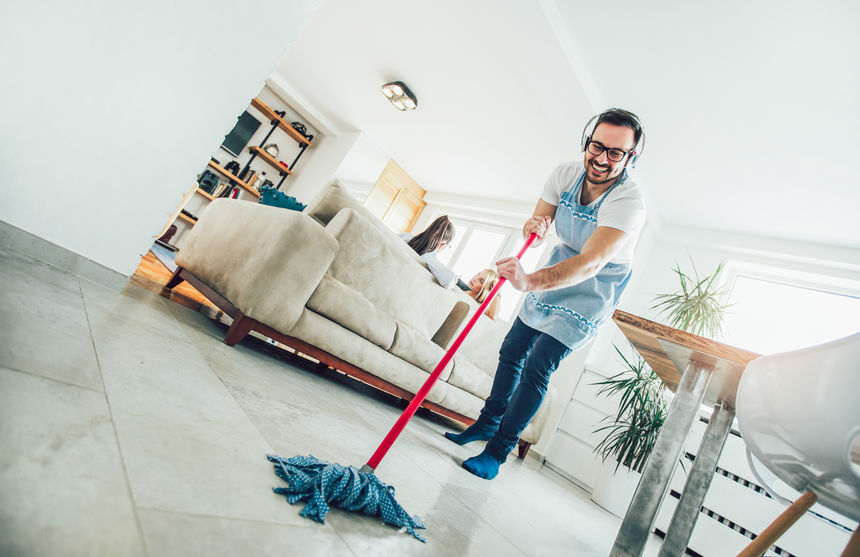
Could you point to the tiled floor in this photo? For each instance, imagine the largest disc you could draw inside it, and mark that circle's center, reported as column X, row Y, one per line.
column 128, row 428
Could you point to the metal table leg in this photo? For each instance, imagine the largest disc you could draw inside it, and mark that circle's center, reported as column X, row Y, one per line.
column 636, row 526
column 681, row 528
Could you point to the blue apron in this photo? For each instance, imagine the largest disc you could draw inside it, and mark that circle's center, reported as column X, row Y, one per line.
column 573, row 314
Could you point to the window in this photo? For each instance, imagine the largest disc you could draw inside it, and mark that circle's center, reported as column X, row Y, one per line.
column 776, row 311
column 477, row 246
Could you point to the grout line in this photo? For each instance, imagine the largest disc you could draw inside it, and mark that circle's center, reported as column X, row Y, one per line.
column 52, row 379
column 113, row 424
column 310, row 523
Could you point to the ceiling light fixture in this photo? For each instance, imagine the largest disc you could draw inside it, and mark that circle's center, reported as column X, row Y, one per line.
column 400, row 96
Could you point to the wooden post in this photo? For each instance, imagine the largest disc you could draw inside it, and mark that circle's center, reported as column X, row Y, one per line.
column 779, row 526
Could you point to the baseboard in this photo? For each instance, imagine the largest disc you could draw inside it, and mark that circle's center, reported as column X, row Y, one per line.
column 26, row 243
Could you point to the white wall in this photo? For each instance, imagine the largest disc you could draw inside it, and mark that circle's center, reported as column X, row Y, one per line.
column 109, row 111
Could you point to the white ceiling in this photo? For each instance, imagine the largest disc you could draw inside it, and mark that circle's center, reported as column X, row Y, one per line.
column 750, row 108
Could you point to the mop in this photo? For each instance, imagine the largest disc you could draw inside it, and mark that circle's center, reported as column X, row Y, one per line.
column 319, row 482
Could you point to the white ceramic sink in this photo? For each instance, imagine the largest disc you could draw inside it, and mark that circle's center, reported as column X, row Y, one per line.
column 799, row 414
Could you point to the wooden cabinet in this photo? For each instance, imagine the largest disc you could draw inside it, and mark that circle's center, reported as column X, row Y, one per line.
column 396, row 198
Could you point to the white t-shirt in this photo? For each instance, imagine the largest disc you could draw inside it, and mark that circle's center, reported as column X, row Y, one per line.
column 623, row 208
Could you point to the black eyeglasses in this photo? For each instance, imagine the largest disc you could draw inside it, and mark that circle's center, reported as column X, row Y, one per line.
column 615, row 155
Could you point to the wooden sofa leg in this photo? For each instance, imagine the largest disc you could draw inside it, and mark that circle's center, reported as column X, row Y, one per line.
column 239, row 329
column 175, row 280
column 523, row 449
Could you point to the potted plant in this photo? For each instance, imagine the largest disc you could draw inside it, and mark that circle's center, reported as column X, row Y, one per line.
column 630, row 434
column 698, row 307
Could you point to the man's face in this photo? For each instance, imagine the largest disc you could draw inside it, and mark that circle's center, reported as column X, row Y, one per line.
column 599, row 169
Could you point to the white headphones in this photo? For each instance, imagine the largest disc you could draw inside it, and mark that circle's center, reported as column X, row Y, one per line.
column 637, row 150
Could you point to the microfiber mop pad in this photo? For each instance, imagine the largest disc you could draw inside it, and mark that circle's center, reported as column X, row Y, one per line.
column 319, row 482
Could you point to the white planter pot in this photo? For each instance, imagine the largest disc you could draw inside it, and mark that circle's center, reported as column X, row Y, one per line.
column 614, row 490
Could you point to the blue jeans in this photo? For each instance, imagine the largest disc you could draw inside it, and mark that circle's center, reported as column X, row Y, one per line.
column 526, row 360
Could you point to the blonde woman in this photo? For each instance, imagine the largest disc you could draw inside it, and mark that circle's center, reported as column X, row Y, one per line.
column 480, row 286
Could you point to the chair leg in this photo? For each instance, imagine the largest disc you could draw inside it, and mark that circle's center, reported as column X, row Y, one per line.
column 175, row 280
column 853, row 547
column 239, row 329
column 779, row 526
column 523, row 449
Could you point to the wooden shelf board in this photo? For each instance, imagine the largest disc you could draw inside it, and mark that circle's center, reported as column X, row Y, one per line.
column 185, row 217
column 270, row 159
column 283, row 124
column 208, row 196
column 229, row 175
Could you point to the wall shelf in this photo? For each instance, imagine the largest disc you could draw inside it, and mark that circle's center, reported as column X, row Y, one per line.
column 185, row 217
column 269, row 159
column 282, row 124
column 233, row 178
column 208, row 196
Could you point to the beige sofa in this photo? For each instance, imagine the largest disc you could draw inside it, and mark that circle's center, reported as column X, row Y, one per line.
column 334, row 283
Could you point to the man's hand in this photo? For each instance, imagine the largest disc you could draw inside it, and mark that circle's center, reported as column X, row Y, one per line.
column 538, row 226
column 538, row 223
column 510, row 269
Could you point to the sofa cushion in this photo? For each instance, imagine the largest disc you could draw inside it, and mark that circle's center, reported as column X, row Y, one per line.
column 350, row 309
column 266, row 261
column 346, row 345
column 419, row 351
column 378, row 266
column 334, row 197
column 470, row 378
column 462, row 402
column 482, row 344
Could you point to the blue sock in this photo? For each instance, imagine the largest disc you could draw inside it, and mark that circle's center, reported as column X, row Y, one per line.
column 484, row 465
column 473, row 433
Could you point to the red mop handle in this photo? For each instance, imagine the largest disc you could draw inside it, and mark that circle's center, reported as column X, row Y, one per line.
column 425, row 388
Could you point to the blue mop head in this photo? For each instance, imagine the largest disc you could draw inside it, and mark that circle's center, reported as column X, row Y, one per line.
column 319, row 482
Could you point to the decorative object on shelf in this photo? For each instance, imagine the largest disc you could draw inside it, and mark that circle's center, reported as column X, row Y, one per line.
column 272, row 149
column 167, row 236
column 189, row 214
column 299, row 127
column 266, row 183
column 241, row 134
column 233, row 167
column 276, row 198
column 698, row 306
column 630, row 434
column 208, row 181
column 259, row 180
column 400, row 96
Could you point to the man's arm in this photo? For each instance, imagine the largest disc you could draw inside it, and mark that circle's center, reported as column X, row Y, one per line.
column 601, row 247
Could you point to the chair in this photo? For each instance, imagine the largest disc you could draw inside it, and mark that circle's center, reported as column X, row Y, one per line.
column 799, row 413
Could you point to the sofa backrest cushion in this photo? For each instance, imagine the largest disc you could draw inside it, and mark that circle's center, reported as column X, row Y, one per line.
column 351, row 310
column 379, row 266
column 333, row 198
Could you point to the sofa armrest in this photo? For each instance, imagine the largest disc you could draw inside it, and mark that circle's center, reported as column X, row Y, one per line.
column 266, row 261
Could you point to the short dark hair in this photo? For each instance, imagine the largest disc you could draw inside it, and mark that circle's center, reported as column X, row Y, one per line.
column 440, row 230
column 621, row 117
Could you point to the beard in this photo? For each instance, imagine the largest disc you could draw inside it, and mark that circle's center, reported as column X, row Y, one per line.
column 606, row 178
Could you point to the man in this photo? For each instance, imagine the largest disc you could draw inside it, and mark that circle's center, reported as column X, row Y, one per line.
column 598, row 213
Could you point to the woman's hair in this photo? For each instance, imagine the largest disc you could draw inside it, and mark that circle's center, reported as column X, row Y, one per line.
column 489, row 282
column 440, row 231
